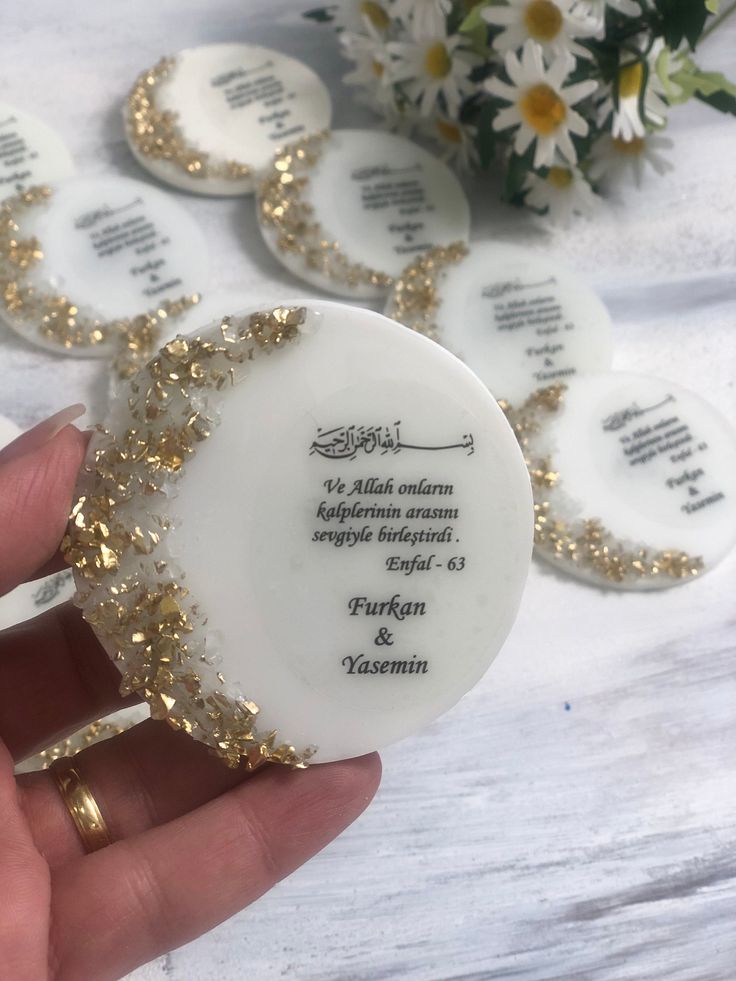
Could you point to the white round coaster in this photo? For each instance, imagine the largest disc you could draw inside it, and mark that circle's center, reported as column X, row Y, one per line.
column 310, row 528
column 30, row 152
column 347, row 211
column 521, row 321
column 90, row 255
column 634, row 479
column 210, row 118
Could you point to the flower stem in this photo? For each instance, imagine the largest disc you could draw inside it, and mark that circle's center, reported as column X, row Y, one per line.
column 718, row 21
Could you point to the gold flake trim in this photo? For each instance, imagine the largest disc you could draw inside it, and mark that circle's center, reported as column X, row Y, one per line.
column 415, row 299
column 59, row 319
column 584, row 543
column 95, row 732
column 283, row 208
column 157, row 134
column 129, row 592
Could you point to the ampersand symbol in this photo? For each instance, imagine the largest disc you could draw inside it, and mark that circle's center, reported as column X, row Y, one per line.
column 384, row 638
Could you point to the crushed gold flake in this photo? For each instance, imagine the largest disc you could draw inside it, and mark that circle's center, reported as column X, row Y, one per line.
column 157, row 134
column 415, row 298
column 58, row 319
column 134, row 599
column 96, row 732
column 585, row 542
column 282, row 207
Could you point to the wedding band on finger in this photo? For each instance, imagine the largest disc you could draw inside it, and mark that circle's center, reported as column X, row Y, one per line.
column 81, row 804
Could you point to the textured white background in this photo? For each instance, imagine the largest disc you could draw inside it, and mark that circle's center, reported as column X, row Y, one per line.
column 516, row 838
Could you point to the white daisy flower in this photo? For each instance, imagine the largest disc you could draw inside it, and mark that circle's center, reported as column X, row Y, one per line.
column 353, row 15
column 427, row 16
column 456, row 139
column 433, row 67
column 563, row 193
column 553, row 25
column 540, row 107
column 371, row 71
column 639, row 84
column 612, row 157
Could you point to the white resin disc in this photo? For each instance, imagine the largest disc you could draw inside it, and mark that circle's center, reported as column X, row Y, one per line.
column 384, row 200
column 117, row 248
column 356, row 530
column 236, row 102
column 520, row 320
column 652, row 461
column 30, row 152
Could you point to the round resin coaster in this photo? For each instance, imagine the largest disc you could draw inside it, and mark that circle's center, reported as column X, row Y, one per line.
column 210, row 118
column 30, row 152
column 83, row 261
column 302, row 534
column 521, row 321
column 634, row 479
column 347, row 211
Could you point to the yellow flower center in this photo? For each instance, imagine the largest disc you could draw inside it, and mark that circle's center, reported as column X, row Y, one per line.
column 377, row 68
column 630, row 79
column 375, row 14
column 543, row 20
column 631, row 148
column 448, row 131
column 542, row 108
column 560, row 177
column 437, row 60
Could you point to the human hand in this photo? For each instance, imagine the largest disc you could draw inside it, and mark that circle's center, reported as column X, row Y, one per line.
column 193, row 841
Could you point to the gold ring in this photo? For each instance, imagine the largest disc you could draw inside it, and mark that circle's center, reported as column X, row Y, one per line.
column 81, row 805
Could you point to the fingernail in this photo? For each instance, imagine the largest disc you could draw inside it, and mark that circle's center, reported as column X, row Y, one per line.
column 42, row 433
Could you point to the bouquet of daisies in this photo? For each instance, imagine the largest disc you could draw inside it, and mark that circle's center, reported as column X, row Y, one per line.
column 562, row 95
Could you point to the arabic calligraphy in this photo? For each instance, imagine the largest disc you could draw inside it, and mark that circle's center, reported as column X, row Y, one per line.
column 345, row 442
column 619, row 419
column 495, row 290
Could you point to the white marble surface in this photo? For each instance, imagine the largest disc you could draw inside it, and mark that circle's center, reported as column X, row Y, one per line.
column 574, row 817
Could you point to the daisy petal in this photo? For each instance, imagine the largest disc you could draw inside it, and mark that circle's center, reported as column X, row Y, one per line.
column 506, row 117
column 574, row 93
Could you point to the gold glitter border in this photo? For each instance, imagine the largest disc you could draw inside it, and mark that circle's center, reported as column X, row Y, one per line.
column 131, row 595
column 157, row 134
column 95, row 732
column 282, row 207
column 58, row 318
column 585, row 543
column 415, row 301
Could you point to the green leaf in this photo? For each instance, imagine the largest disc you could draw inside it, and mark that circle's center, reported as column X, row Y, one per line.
column 476, row 29
column 694, row 82
column 474, row 20
column 722, row 101
column 320, row 15
column 486, row 138
column 682, row 20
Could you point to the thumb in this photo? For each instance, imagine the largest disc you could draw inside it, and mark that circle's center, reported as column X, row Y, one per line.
column 37, row 476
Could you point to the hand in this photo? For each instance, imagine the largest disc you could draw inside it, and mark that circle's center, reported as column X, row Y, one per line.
column 193, row 841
